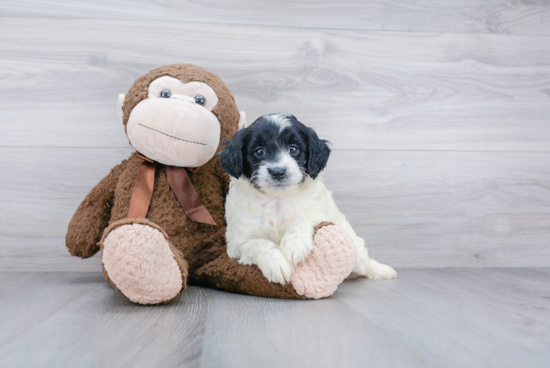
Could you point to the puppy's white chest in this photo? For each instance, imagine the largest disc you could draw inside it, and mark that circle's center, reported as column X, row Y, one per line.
column 276, row 213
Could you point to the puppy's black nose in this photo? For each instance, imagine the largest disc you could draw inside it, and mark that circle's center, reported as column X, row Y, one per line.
column 277, row 173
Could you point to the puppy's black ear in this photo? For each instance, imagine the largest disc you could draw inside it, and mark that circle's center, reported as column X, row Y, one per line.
column 318, row 153
column 231, row 157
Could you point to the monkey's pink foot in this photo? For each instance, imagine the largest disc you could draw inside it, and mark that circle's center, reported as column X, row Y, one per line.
column 142, row 265
column 329, row 263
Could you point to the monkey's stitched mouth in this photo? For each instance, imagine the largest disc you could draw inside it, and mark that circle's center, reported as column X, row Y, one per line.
column 171, row 136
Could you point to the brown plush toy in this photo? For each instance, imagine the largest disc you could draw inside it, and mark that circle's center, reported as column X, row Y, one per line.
column 158, row 217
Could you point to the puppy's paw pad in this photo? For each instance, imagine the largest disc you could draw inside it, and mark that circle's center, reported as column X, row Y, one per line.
column 296, row 248
column 381, row 272
column 275, row 267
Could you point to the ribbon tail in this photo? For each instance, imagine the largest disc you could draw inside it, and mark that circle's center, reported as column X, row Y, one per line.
column 143, row 191
column 201, row 215
column 187, row 195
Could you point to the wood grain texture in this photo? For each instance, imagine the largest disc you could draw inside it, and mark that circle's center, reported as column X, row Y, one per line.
column 461, row 16
column 459, row 209
column 360, row 89
column 457, row 309
column 47, row 296
column 438, row 113
column 39, row 198
column 99, row 328
column 326, row 333
column 424, row 318
column 415, row 209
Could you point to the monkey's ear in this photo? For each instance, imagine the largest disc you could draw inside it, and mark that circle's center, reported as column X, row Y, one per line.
column 119, row 103
column 242, row 120
column 231, row 157
column 318, row 153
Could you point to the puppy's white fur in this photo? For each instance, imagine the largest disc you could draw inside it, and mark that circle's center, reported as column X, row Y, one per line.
column 281, row 120
column 274, row 228
column 269, row 185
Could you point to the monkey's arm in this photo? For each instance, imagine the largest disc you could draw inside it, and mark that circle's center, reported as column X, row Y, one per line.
column 92, row 216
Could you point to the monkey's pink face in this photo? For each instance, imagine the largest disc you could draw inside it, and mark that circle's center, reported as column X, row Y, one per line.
column 175, row 124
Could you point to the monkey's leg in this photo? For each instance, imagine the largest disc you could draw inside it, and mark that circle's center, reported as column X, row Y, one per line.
column 141, row 264
column 227, row 274
column 330, row 262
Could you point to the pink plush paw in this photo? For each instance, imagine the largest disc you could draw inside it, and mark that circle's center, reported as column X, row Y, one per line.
column 139, row 261
column 331, row 260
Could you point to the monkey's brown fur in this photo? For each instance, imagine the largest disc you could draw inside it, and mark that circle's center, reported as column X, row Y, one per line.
column 199, row 249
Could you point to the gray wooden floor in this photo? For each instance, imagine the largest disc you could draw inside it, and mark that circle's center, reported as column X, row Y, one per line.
column 439, row 116
column 426, row 318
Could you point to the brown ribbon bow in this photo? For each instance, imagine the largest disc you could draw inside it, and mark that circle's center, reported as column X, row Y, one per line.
column 179, row 182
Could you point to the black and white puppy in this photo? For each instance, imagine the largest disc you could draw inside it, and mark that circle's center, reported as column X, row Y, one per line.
column 277, row 197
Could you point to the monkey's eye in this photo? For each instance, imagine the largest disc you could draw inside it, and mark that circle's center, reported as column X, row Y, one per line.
column 259, row 152
column 293, row 150
column 165, row 93
column 200, row 100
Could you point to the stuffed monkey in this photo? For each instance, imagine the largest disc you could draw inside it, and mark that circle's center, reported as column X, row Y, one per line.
column 158, row 217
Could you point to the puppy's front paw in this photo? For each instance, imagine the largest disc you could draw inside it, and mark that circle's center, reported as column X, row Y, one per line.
column 379, row 271
column 275, row 267
column 296, row 248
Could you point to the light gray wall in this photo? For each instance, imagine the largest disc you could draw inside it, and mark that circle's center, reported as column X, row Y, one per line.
column 439, row 113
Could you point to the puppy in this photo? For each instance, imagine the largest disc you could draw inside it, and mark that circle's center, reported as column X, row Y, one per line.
column 277, row 197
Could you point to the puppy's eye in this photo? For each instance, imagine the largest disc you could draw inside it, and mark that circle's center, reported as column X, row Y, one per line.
column 293, row 150
column 200, row 100
column 165, row 93
column 259, row 152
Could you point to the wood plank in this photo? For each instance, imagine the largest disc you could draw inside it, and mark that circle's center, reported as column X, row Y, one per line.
column 415, row 209
column 447, row 209
column 43, row 294
column 424, row 318
column 359, row 89
column 43, row 254
column 474, row 317
column 100, row 328
column 461, row 16
column 259, row 332
column 46, row 186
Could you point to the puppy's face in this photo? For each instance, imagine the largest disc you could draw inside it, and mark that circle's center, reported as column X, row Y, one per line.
column 275, row 153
